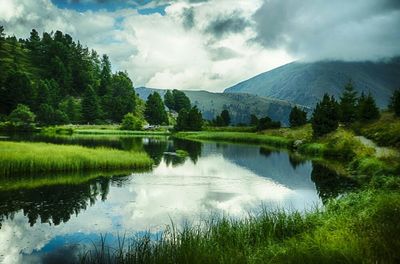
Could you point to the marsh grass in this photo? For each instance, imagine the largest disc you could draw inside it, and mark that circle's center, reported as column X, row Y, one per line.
column 359, row 228
column 26, row 158
column 238, row 137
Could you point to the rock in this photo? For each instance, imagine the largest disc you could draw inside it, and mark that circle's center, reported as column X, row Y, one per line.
column 297, row 143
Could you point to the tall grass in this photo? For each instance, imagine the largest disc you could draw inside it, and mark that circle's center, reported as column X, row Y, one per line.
column 359, row 228
column 23, row 158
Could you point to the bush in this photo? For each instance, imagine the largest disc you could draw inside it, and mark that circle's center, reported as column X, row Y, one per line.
column 131, row 122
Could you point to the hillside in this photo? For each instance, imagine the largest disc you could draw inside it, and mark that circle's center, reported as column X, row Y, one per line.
column 240, row 106
column 305, row 83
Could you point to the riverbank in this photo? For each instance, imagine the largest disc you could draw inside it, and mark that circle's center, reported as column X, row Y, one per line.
column 28, row 158
column 359, row 228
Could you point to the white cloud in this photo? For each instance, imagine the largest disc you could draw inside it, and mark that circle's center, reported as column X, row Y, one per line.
column 156, row 50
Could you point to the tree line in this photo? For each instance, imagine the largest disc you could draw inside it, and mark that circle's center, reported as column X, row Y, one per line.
column 61, row 81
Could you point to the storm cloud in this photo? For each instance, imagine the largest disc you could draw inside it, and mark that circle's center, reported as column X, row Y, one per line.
column 317, row 29
column 226, row 24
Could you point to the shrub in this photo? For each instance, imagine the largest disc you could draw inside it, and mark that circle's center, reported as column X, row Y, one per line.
column 131, row 122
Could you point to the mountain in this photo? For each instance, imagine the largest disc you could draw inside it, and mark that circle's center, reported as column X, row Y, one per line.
column 240, row 106
column 305, row 83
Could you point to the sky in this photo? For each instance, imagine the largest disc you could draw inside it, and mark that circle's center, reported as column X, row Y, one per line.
column 213, row 44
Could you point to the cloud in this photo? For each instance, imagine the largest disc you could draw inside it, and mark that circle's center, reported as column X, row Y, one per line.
column 315, row 29
column 232, row 23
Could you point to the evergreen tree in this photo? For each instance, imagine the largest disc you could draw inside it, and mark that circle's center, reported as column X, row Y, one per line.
column 253, row 120
column 181, row 101
column 395, row 102
column 155, row 113
column 169, row 100
column 105, row 75
column 120, row 98
column 191, row 120
column 22, row 116
column 182, row 120
column 367, row 109
column 297, row 117
column 348, row 104
column 90, row 106
column 325, row 117
column 225, row 117
column 267, row 123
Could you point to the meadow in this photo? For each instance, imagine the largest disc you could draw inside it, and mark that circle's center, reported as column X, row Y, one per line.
column 27, row 158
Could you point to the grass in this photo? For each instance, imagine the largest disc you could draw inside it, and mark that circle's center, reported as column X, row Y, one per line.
column 99, row 130
column 23, row 158
column 359, row 228
column 385, row 131
column 239, row 137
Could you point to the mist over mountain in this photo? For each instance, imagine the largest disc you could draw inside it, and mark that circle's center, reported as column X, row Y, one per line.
column 240, row 106
column 305, row 83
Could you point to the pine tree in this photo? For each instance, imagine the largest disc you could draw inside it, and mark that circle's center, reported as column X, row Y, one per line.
column 90, row 106
column 367, row 109
column 348, row 104
column 297, row 117
column 169, row 100
column 154, row 112
column 226, row 119
column 105, row 75
column 395, row 102
column 182, row 120
column 325, row 117
column 253, row 120
column 195, row 122
column 181, row 101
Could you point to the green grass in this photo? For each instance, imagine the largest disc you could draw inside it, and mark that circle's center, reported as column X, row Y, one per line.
column 359, row 228
column 238, row 137
column 385, row 131
column 22, row 158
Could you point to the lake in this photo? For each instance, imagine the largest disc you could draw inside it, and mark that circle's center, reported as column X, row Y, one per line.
column 63, row 216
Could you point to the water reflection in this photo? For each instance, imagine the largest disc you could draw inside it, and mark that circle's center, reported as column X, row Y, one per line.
column 214, row 178
column 328, row 183
column 56, row 203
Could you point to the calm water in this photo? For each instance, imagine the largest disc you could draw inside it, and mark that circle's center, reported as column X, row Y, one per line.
column 46, row 224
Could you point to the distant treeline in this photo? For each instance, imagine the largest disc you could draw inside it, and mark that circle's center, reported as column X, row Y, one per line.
column 61, row 81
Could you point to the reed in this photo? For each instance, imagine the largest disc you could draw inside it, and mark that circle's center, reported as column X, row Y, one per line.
column 26, row 158
column 359, row 228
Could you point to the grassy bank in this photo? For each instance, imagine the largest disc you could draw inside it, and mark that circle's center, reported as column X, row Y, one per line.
column 385, row 131
column 359, row 228
column 22, row 158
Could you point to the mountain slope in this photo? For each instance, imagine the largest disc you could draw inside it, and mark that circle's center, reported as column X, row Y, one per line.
column 240, row 106
column 305, row 83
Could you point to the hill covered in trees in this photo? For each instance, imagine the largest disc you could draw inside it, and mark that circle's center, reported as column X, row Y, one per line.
column 61, row 81
column 306, row 83
column 240, row 106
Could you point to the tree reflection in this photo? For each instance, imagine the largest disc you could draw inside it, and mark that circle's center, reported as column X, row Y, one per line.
column 54, row 204
column 193, row 148
column 328, row 183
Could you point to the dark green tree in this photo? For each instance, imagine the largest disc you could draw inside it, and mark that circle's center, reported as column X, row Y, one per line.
column 22, row 116
column 90, row 106
column 253, row 120
column 297, row 117
column 182, row 120
column 154, row 112
column 120, row 98
column 367, row 109
column 395, row 102
column 105, row 75
column 195, row 121
column 348, row 104
column 181, row 101
column 267, row 123
column 226, row 118
column 325, row 118
column 169, row 100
